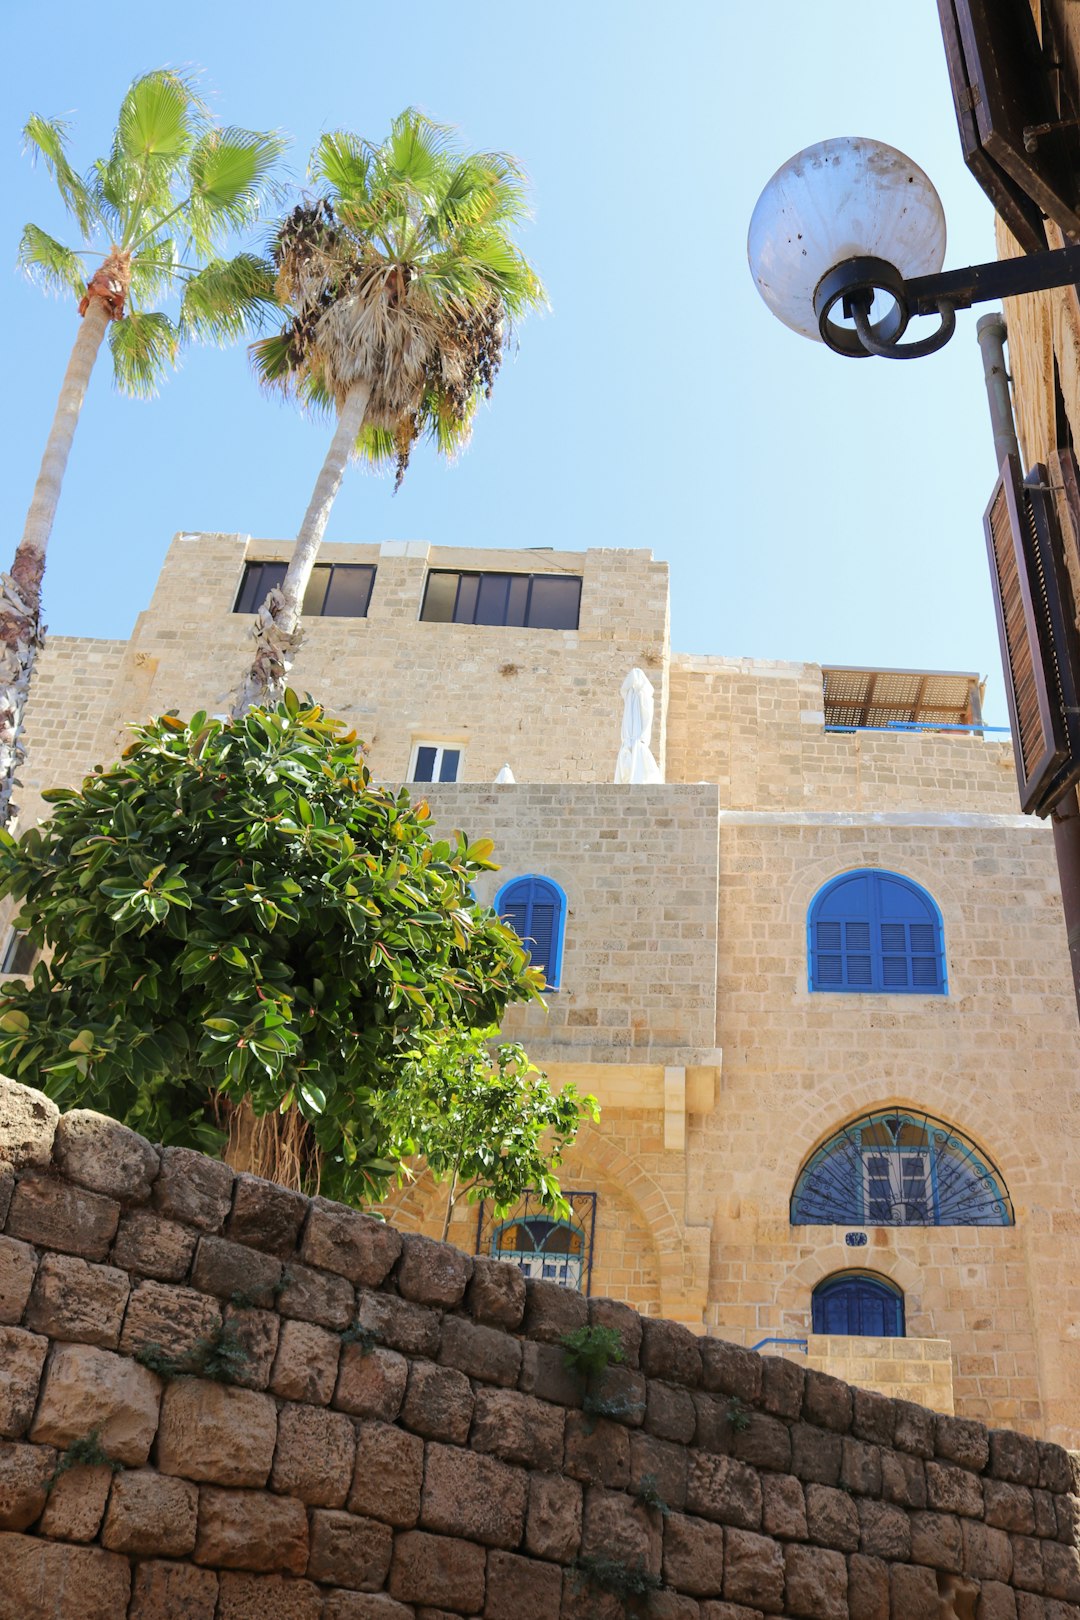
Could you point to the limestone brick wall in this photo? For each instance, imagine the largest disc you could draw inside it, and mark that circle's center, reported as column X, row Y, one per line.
column 906, row 1369
column 220, row 1400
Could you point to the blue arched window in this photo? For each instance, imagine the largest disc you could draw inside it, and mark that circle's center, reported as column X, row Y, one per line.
column 860, row 1303
column 897, row 1168
column 543, row 1247
column 535, row 908
column 878, row 931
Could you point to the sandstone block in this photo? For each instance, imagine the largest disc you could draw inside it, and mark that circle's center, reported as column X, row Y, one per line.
column 874, row 1417
column 415, row 1330
column 753, row 1571
column 76, row 1504
column 251, row 1530
column 670, row 1351
column 816, row 1454
column 353, row 1245
column 1030, row 1607
column 670, row 1412
column 306, row 1364
column 817, row 1583
column 860, row 1467
column 597, row 1451
column 316, row 1450
column 22, row 1356
column 914, row 1592
column 164, row 1591
column 151, row 1515
column 832, row 1519
column 584, row 1599
column 268, row 1597
column 553, row 1526
column 316, row 1296
column 519, row 1429
column 1013, row 1457
column 903, row 1479
column 193, row 1189
column 722, row 1489
column 783, row 1511
column 615, row 1526
column 438, row 1570
column 661, row 1464
column 521, row 1589
column 1045, row 1513
column 1009, row 1507
column 151, row 1246
column 266, row 1216
column 996, row 1602
column 24, row 1472
column 728, row 1369
column 669, row 1605
column 693, row 1555
column 364, row 1606
column 1067, row 1514
column 431, row 1273
column 827, row 1402
column 256, row 1333
column 936, row 1540
column 7, row 1187
column 18, row 1264
column 371, row 1385
column 480, row 1352
column 50, row 1580
column 176, row 1321
column 104, row 1156
column 914, row 1429
column 474, row 1496
column 496, row 1293
column 78, row 1302
column 782, row 1387
column 438, row 1403
column 963, row 1441
column 544, row 1373
column 1027, row 1571
column 1055, row 1473
column 28, row 1122
column 232, row 1271
column 612, row 1313
column 55, row 1215
column 868, row 1588
column 954, row 1490
column 623, row 1390
column 388, row 1475
column 349, row 1551
column 552, row 1311
column 87, row 1389
column 212, row 1432
column 884, row 1530
column 1061, row 1571
column 765, row 1443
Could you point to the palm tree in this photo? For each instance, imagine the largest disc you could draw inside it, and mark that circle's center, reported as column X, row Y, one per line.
column 155, row 214
column 401, row 279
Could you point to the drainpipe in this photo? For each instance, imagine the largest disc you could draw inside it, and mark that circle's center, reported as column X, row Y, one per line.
column 1065, row 816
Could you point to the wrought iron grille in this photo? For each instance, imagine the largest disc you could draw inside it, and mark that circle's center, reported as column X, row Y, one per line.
column 897, row 1168
column 540, row 1244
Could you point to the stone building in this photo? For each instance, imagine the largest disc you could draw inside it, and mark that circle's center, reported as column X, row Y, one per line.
column 816, row 976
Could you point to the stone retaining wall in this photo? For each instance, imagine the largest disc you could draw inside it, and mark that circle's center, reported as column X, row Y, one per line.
column 384, row 1428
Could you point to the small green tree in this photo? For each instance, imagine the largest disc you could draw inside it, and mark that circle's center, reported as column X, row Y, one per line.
column 486, row 1121
column 234, row 911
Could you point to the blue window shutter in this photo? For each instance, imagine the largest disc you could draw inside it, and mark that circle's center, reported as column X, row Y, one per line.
column 873, row 930
column 858, row 1305
column 535, row 909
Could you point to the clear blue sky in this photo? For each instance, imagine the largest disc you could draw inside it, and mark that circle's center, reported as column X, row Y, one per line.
column 809, row 506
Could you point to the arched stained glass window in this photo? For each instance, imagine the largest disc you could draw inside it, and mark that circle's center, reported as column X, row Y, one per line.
column 535, row 908
column 858, row 1302
column 543, row 1247
column 897, row 1168
column 876, row 931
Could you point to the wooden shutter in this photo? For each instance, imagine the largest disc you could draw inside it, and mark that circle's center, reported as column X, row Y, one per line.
column 1003, row 83
column 1040, row 647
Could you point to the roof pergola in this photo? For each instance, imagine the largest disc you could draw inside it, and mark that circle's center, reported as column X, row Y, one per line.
column 885, row 697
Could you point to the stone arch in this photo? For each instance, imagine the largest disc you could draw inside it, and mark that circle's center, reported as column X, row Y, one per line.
column 795, row 1291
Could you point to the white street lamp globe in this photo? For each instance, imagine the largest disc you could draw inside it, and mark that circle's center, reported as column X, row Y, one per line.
column 841, row 199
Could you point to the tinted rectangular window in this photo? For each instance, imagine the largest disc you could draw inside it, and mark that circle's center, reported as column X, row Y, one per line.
column 433, row 762
column 424, row 769
column 532, row 601
column 335, row 590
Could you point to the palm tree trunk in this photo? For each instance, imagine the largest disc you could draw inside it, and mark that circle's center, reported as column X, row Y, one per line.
column 277, row 627
column 21, row 630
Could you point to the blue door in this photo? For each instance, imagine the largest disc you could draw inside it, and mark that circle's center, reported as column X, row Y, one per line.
column 858, row 1305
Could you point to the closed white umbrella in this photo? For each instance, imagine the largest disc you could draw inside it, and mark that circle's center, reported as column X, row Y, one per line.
column 506, row 775
column 635, row 762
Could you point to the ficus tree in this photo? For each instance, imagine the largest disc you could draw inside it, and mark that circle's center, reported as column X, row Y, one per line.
column 152, row 220
column 234, row 911
column 400, row 278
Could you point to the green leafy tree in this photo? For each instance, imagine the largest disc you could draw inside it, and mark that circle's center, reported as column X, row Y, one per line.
column 401, row 279
column 486, row 1121
column 152, row 220
column 233, row 911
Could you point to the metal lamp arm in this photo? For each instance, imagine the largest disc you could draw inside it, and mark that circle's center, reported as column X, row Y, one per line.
column 1001, row 278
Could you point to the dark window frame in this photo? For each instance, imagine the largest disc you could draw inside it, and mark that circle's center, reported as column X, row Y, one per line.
column 249, row 598
column 487, row 577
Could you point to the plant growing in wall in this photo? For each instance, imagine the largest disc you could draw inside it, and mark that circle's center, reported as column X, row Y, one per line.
column 152, row 220
column 234, row 912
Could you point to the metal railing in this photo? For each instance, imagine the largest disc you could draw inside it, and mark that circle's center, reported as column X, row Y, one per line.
column 920, row 725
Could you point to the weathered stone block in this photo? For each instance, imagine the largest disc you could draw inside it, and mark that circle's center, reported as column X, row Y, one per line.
column 552, row 1311
column 496, row 1293
column 438, row 1570
column 816, row 1454
column 164, row 1591
column 521, row 1588
column 22, row 1356
column 884, row 1530
column 660, row 1463
column 177, row 1321
column 438, row 1403
column 874, row 1417
column 860, row 1467
column 1013, row 1457
column 353, row 1245
column 782, row 1387
column 151, row 1515
column 24, row 1472
column 49, row 1580
column 1055, row 1473
column 251, row 1530
column 388, row 1475
column 670, row 1351
column 868, row 1588
column 1061, row 1571
column 615, row 1526
column 55, row 1215
column 78, row 1302
column 964, row 1442
column 693, row 1555
column 306, row 1364
column 151, row 1246
column 832, row 1519
column 612, row 1313
column 230, row 1270
column 213, row 1432
column 1067, row 1514
column 544, row 1373
column 1030, row 1607
column 584, row 1599
column 1045, row 1513
column 1027, row 1571
column 193, row 1189
column 415, row 1330
column 914, row 1592
column 670, row 1412
column 827, row 1402
column 817, row 1583
column 553, row 1526
column 266, row 1216
column 469, row 1495
column 914, row 1429
column 28, row 1121
column 1009, row 1507
column 18, row 1264
column 431, row 1273
column 518, row 1428
column 783, row 1511
column 722, row 1489
column 349, row 1551
column 371, row 1385
column 936, row 1540
column 268, row 1597
column 953, row 1490
column 76, row 1504
column 765, row 1442
column 256, row 1334
column 87, row 1389
column 104, row 1156
column 7, row 1187
column 903, row 1479
column 597, row 1451
column 728, row 1369
column 480, row 1352
column 314, row 1459
column 754, row 1571
column 316, row 1296
column 996, row 1602
column 365, row 1606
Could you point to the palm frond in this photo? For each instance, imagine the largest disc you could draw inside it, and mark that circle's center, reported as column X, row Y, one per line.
column 230, row 173
column 47, row 138
column 157, row 117
column 155, row 270
column 57, row 268
column 342, row 161
column 415, row 148
column 377, row 446
column 228, row 299
column 271, row 362
column 144, row 346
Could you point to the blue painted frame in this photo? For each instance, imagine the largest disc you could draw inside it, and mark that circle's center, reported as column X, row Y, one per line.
column 558, row 933
column 859, row 1284
column 876, row 987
